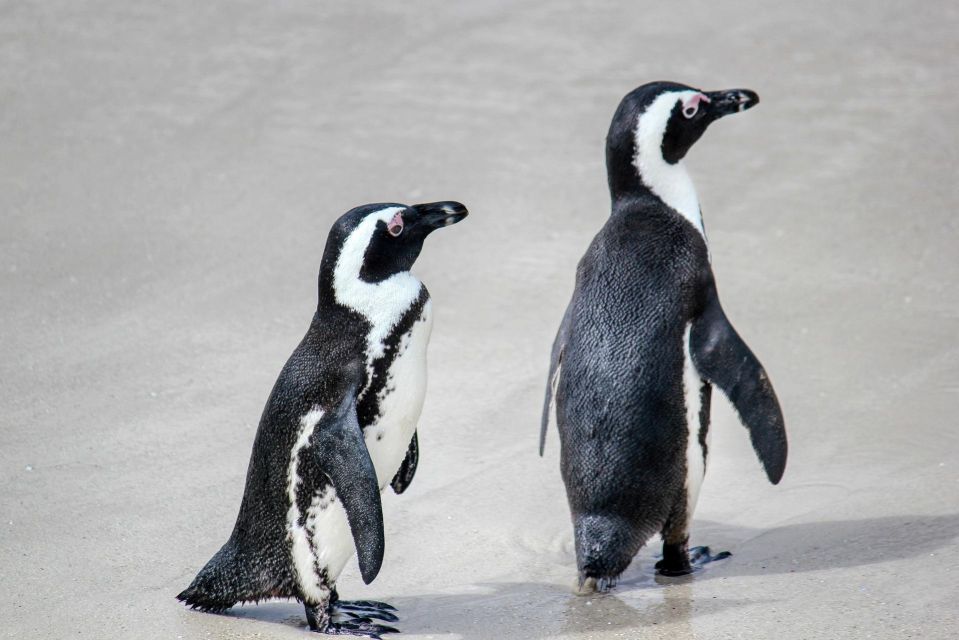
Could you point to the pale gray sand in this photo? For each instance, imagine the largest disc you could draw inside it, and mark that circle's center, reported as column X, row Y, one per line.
column 168, row 175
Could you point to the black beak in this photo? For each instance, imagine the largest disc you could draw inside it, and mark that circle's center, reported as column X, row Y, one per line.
column 434, row 215
column 722, row 103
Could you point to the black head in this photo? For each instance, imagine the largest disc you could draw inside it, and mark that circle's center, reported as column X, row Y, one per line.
column 658, row 123
column 373, row 242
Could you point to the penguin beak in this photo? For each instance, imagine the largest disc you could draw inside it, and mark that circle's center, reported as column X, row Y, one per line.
column 435, row 215
column 723, row 103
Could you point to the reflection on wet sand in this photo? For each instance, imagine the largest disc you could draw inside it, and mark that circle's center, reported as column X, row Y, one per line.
column 657, row 612
column 664, row 608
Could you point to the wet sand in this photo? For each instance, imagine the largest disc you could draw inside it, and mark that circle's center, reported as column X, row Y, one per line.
column 168, row 176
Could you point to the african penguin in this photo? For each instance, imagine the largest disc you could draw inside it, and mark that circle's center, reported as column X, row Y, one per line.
column 339, row 425
column 642, row 341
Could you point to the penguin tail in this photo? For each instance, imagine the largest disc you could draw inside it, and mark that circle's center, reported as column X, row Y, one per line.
column 605, row 545
column 224, row 581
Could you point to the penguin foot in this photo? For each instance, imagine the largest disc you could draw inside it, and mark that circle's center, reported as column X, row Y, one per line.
column 677, row 562
column 699, row 556
column 364, row 604
column 366, row 609
column 359, row 623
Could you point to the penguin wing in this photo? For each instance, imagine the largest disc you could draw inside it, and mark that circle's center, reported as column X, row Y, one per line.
column 723, row 359
column 404, row 476
column 555, row 366
column 342, row 455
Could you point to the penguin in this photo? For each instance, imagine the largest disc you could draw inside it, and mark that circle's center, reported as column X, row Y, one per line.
column 641, row 344
column 339, row 425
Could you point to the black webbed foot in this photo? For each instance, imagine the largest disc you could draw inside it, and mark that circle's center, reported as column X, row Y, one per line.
column 361, row 613
column 351, row 618
column 363, row 609
column 364, row 605
column 678, row 562
column 367, row 604
column 699, row 556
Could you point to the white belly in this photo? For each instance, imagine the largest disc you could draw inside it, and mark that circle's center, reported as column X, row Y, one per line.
column 401, row 401
column 387, row 440
column 695, row 460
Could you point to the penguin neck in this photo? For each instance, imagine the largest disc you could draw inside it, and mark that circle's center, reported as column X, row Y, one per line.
column 672, row 184
column 650, row 173
column 381, row 303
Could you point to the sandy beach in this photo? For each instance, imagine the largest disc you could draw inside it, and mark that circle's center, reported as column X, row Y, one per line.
column 169, row 174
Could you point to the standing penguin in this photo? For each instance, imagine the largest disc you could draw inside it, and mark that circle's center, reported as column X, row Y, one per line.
column 338, row 426
column 641, row 344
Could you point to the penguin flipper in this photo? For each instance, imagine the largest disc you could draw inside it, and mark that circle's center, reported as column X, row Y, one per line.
column 723, row 359
column 555, row 366
column 404, row 476
column 342, row 455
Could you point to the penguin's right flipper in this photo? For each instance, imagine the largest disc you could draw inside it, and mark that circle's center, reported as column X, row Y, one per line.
column 342, row 455
column 722, row 358
column 404, row 476
column 555, row 367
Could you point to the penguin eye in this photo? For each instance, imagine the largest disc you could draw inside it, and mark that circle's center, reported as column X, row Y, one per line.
column 691, row 105
column 395, row 226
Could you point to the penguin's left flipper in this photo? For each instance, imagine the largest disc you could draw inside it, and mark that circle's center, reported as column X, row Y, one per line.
column 722, row 358
column 404, row 476
column 342, row 455
column 555, row 367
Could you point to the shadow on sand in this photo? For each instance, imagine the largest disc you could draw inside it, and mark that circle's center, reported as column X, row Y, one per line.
column 814, row 546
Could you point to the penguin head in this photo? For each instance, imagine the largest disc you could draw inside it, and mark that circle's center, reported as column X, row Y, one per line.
column 376, row 241
column 658, row 123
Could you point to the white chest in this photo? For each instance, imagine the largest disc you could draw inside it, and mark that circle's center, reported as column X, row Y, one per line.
column 401, row 400
column 387, row 440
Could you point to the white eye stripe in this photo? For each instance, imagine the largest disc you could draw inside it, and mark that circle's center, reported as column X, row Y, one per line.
column 670, row 182
column 384, row 302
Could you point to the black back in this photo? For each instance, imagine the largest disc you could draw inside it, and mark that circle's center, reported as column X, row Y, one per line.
column 617, row 367
column 619, row 400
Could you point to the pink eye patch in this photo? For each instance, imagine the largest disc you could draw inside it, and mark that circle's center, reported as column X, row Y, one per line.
column 395, row 225
column 691, row 105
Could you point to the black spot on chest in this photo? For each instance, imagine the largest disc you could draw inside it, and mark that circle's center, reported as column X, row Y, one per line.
column 380, row 381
